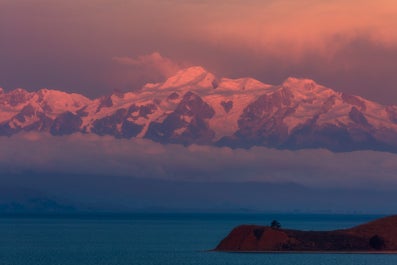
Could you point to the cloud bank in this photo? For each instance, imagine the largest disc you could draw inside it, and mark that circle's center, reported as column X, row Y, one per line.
column 139, row 158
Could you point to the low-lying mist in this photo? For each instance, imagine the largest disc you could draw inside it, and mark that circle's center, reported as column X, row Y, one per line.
column 104, row 173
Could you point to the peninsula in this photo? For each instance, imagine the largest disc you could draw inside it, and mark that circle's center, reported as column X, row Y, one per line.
column 376, row 236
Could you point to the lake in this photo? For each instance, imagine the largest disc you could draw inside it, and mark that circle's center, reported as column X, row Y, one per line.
column 121, row 239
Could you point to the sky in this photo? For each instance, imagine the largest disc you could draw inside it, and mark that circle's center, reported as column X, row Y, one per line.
column 97, row 46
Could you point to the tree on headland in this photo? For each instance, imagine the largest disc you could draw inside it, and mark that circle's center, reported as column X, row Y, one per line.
column 376, row 242
column 275, row 224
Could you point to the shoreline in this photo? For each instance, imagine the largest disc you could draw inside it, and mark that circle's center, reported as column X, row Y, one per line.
column 386, row 252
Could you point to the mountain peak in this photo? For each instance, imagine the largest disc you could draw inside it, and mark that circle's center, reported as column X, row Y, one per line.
column 18, row 91
column 196, row 75
column 242, row 84
column 192, row 71
column 306, row 89
column 300, row 83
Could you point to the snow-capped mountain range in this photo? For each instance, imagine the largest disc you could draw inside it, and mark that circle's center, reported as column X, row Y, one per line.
column 194, row 106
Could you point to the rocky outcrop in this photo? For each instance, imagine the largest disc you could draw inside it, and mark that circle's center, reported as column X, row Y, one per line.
column 378, row 235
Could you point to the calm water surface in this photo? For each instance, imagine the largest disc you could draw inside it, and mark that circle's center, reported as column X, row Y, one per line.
column 157, row 239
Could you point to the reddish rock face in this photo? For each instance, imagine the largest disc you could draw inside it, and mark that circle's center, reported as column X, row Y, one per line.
column 379, row 235
column 227, row 105
column 254, row 238
column 117, row 125
column 66, row 123
column 15, row 97
column 105, row 102
column 187, row 124
column 353, row 100
column 262, row 121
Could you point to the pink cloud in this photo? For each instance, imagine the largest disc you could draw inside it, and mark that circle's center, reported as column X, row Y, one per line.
column 136, row 71
column 150, row 63
column 291, row 28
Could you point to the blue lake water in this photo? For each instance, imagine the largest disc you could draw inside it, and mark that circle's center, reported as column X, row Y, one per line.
column 158, row 239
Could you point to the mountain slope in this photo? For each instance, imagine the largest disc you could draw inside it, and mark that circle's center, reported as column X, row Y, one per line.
column 195, row 107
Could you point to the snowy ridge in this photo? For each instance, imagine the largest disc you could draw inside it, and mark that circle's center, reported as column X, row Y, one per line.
column 194, row 106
